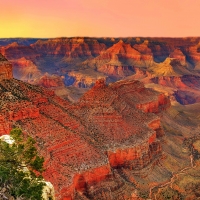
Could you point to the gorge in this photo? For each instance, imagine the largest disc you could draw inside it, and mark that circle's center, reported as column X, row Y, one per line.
column 114, row 133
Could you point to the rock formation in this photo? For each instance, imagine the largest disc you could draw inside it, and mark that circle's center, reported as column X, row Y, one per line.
column 83, row 60
column 84, row 144
column 26, row 70
column 107, row 145
column 49, row 81
column 5, row 68
column 117, row 60
column 83, row 78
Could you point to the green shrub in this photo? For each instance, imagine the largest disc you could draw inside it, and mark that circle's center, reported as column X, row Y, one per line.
column 21, row 167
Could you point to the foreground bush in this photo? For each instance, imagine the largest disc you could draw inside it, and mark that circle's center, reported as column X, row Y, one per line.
column 20, row 168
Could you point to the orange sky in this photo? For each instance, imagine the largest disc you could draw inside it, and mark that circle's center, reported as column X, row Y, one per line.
column 99, row 18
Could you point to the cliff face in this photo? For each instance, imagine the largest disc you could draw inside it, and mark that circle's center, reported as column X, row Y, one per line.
column 49, row 81
column 117, row 60
column 16, row 51
column 26, row 70
column 5, row 68
column 83, row 78
column 194, row 55
column 105, row 145
column 81, row 61
column 185, row 88
column 82, row 143
column 71, row 48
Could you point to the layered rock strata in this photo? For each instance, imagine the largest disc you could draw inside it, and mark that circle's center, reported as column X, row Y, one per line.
column 5, row 68
column 110, row 127
column 81, row 61
column 84, row 143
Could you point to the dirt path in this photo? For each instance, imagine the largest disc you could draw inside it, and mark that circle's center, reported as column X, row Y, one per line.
column 171, row 181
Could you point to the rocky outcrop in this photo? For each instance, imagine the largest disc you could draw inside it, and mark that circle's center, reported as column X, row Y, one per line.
column 83, row 78
column 178, row 54
column 70, row 47
column 146, row 52
column 49, row 81
column 194, row 55
column 104, row 145
column 116, row 60
column 170, row 81
column 116, row 71
column 155, row 106
column 82, row 142
column 26, row 70
column 2, row 58
column 5, row 125
column 83, row 60
column 15, row 51
column 184, row 89
column 5, row 68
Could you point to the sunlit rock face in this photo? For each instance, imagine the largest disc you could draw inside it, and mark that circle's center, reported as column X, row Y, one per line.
column 5, row 68
column 79, row 62
column 24, row 69
column 96, row 147
column 82, row 143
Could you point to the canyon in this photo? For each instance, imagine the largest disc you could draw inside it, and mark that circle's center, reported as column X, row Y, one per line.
column 67, row 63
column 82, row 143
column 120, row 125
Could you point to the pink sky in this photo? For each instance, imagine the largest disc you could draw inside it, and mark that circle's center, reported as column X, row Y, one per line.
column 99, row 18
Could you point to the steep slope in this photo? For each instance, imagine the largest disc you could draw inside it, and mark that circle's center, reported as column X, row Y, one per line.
column 81, row 61
column 194, row 55
column 82, row 143
column 5, row 68
column 83, row 78
column 116, row 60
column 110, row 144
column 26, row 70
column 16, row 51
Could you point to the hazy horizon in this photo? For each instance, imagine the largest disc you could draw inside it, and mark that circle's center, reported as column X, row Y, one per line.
column 98, row 37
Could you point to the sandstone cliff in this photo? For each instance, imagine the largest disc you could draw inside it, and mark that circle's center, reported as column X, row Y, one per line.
column 26, row 70
column 83, row 143
column 108, row 144
column 5, row 68
column 82, row 60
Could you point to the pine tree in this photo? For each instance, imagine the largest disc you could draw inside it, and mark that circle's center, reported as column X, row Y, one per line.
column 21, row 167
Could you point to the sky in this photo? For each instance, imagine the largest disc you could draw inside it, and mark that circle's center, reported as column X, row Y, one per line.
column 99, row 18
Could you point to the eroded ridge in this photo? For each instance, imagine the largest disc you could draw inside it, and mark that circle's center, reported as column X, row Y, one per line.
column 85, row 144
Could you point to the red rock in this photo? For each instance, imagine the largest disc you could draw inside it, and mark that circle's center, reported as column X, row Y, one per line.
column 16, row 51
column 26, row 70
column 116, row 71
column 83, row 78
column 116, row 60
column 166, row 59
column 73, row 158
column 83, row 143
column 49, row 81
column 71, row 48
column 194, row 54
column 170, row 81
column 146, row 52
column 185, row 87
column 5, row 126
column 178, row 54
column 5, row 69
